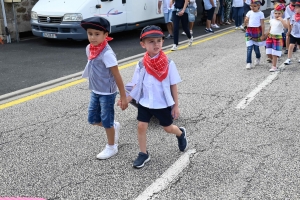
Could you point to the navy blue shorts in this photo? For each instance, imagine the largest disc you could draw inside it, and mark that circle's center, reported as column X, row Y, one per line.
column 163, row 115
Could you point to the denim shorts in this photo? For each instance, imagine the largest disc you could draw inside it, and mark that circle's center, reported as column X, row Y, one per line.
column 101, row 109
column 168, row 16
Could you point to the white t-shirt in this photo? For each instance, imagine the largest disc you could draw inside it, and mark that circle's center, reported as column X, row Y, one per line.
column 153, row 95
column 276, row 27
column 238, row 3
column 208, row 5
column 248, row 2
column 288, row 12
column 295, row 28
column 193, row 3
column 254, row 18
column 166, row 6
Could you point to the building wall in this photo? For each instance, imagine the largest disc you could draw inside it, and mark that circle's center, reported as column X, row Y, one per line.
column 22, row 10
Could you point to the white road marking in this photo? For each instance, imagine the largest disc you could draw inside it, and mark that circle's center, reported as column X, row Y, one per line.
column 247, row 100
column 168, row 176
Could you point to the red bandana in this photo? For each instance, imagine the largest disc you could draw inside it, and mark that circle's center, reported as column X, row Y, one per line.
column 297, row 17
column 96, row 50
column 292, row 7
column 157, row 67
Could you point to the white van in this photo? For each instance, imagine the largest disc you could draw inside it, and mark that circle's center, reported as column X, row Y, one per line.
column 60, row 19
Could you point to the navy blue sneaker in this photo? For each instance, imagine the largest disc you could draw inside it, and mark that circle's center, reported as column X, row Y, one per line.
column 182, row 141
column 141, row 160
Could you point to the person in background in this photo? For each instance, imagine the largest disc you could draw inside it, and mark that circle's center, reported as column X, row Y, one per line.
column 209, row 6
column 295, row 32
column 227, row 10
column 167, row 9
column 238, row 11
column 220, row 15
column 274, row 42
column 289, row 12
column 255, row 33
column 246, row 10
column 191, row 24
column 214, row 20
column 179, row 14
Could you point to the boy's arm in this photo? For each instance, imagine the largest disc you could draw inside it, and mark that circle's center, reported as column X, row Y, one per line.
column 120, row 84
column 159, row 6
column 175, row 109
column 246, row 21
column 285, row 25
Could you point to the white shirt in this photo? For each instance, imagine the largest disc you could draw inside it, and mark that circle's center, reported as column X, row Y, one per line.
column 238, row 3
column 276, row 27
column 166, row 6
column 208, row 5
column 248, row 2
column 254, row 18
column 295, row 28
column 153, row 96
column 193, row 3
column 288, row 12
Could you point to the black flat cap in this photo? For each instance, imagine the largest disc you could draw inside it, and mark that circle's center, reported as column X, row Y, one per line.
column 98, row 23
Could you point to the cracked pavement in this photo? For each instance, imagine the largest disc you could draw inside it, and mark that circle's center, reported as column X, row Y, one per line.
column 47, row 148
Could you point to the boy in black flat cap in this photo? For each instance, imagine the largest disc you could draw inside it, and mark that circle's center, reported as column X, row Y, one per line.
column 155, row 91
column 104, row 77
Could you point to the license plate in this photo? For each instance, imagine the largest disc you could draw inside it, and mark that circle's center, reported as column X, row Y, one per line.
column 49, row 35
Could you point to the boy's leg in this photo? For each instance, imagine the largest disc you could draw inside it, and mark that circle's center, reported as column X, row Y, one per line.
column 257, row 51
column 142, row 137
column 175, row 20
column 274, row 60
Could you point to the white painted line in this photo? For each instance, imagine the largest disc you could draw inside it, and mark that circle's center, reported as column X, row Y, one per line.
column 247, row 100
column 168, row 176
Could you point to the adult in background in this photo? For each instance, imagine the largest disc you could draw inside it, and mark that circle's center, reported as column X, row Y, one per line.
column 214, row 20
column 179, row 14
column 167, row 9
column 194, row 4
column 238, row 11
column 227, row 11
column 209, row 6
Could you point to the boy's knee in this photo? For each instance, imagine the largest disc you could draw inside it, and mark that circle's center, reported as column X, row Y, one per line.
column 168, row 129
column 142, row 126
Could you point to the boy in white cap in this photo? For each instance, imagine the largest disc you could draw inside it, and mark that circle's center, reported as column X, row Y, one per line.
column 155, row 90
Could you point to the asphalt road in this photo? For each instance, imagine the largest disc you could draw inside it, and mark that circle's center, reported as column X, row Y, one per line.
column 34, row 61
column 47, row 148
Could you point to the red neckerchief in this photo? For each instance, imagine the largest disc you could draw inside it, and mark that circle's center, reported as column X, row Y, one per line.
column 157, row 67
column 96, row 50
column 297, row 17
column 292, row 7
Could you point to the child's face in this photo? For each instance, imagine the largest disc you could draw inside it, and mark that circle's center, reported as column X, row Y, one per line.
column 95, row 36
column 152, row 45
column 297, row 9
column 278, row 14
column 255, row 7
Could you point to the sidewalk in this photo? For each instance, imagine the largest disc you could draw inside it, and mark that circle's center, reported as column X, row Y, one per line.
column 48, row 149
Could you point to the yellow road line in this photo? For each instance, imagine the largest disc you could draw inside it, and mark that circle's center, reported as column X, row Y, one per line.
column 43, row 93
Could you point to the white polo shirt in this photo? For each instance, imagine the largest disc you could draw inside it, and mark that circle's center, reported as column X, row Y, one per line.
column 153, row 96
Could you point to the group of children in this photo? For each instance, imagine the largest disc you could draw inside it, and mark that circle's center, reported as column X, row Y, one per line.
column 155, row 87
column 283, row 21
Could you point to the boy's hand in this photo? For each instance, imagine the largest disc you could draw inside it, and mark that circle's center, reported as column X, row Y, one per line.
column 175, row 112
column 123, row 103
column 279, row 18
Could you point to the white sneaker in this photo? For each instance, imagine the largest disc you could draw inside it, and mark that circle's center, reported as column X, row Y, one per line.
column 174, row 47
column 256, row 61
column 248, row 66
column 241, row 27
column 183, row 33
column 108, row 152
column 191, row 41
column 287, row 62
column 214, row 26
column 117, row 127
column 237, row 28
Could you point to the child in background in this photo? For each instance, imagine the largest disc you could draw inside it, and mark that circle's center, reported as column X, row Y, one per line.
column 289, row 12
column 155, row 90
column 295, row 31
column 191, row 24
column 255, row 32
column 274, row 42
column 103, row 74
